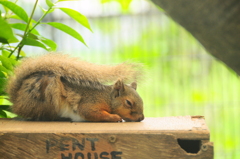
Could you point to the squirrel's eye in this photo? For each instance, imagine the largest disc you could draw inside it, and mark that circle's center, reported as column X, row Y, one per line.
column 129, row 103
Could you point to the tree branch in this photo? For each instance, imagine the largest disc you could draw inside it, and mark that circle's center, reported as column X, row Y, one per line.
column 215, row 24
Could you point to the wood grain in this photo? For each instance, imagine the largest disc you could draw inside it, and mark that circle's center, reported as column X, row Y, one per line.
column 127, row 140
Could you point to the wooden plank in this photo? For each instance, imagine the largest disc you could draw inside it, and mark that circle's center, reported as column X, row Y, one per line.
column 152, row 138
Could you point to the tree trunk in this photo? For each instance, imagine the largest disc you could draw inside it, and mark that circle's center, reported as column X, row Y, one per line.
column 214, row 23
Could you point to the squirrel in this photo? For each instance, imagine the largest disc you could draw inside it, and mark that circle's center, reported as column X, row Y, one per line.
column 55, row 86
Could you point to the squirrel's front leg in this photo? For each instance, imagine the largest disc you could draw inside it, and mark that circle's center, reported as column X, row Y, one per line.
column 106, row 116
column 96, row 114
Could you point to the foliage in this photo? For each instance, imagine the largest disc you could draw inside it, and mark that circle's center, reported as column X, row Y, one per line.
column 182, row 79
column 14, row 19
column 123, row 3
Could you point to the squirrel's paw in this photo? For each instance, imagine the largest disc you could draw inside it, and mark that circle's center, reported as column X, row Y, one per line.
column 115, row 118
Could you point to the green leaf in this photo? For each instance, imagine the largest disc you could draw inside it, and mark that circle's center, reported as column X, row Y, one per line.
column 6, row 9
column 6, row 62
column 43, row 10
column 67, row 30
column 19, row 11
column 49, row 3
column 2, row 75
column 4, row 41
column 14, row 16
column 12, row 59
column 4, row 101
column 3, row 82
column 5, row 53
column 33, row 36
column 10, row 114
column 3, row 114
column 4, row 107
column 22, row 53
column 34, row 42
column 50, row 43
column 77, row 16
column 6, row 33
column 21, row 35
column 3, row 69
column 21, row 26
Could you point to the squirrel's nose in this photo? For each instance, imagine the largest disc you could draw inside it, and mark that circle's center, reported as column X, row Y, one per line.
column 141, row 118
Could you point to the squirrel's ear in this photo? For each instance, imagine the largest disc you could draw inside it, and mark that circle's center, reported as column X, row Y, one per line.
column 119, row 86
column 134, row 85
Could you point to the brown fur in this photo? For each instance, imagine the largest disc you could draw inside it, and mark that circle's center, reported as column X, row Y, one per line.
column 54, row 85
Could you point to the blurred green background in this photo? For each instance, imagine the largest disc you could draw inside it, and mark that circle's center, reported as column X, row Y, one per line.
column 181, row 78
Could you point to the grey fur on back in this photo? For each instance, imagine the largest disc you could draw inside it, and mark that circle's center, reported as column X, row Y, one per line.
column 73, row 70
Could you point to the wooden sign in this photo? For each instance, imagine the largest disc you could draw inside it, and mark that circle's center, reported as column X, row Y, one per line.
column 153, row 138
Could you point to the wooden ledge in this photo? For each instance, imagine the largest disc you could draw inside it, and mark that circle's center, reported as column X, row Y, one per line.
column 182, row 126
column 168, row 137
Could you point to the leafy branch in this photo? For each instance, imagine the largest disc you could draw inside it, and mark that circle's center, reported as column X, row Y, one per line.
column 26, row 32
column 33, row 38
column 12, row 43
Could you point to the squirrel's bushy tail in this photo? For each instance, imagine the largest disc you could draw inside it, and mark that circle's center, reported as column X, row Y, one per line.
column 74, row 71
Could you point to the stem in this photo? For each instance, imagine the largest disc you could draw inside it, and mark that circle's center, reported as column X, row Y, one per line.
column 14, row 49
column 26, row 30
column 9, row 47
column 34, row 8
column 20, row 46
column 39, row 21
column 19, row 50
column 25, row 33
